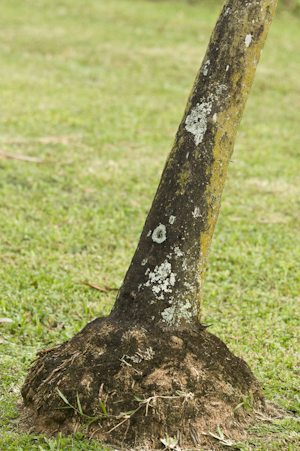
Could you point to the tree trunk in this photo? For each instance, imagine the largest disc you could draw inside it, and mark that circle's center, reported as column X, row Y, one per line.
column 165, row 279
column 151, row 356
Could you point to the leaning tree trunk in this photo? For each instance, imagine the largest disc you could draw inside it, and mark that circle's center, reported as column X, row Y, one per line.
column 165, row 278
column 151, row 354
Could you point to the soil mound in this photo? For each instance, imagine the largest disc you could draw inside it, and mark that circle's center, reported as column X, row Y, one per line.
column 142, row 385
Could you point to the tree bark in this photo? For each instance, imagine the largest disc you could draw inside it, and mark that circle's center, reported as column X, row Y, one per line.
column 164, row 282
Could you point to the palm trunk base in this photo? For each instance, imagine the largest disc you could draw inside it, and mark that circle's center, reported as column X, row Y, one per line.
column 151, row 383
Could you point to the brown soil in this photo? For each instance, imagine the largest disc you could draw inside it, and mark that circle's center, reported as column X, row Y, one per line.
column 193, row 380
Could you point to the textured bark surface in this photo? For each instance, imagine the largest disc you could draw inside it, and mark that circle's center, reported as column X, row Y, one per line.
column 152, row 345
column 165, row 278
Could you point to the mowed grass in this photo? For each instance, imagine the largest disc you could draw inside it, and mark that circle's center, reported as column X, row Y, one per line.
column 97, row 89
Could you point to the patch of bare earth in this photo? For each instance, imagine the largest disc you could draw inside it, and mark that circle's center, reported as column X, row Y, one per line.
column 151, row 383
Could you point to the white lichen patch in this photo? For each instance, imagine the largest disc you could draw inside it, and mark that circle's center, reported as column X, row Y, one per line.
column 188, row 285
column 178, row 252
column 185, row 310
column 159, row 234
column 149, row 233
column 248, row 39
column 196, row 121
column 227, row 67
column 220, row 88
column 196, row 213
column 205, row 67
column 172, row 219
column 161, row 279
column 168, row 315
column 215, row 117
column 144, row 262
column 173, row 315
column 185, row 264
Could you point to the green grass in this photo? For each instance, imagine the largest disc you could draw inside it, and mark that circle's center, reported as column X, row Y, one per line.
column 98, row 88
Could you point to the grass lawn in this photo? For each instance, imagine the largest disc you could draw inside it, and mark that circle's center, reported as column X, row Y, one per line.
column 97, row 89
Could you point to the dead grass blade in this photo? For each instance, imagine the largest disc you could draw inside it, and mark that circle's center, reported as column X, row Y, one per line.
column 60, row 140
column 259, row 221
column 65, row 140
column 104, row 288
column 23, row 158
